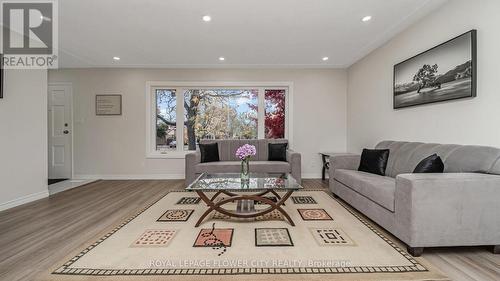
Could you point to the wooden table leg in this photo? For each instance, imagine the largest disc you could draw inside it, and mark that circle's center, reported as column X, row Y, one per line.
column 215, row 196
column 282, row 202
column 212, row 206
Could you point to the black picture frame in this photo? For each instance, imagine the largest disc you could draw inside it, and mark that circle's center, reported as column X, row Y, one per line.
column 2, row 81
column 471, row 93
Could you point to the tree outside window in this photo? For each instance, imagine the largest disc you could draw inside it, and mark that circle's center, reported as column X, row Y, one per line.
column 220, row 114
column 217, row 113
column 165, row 119
column 274, row 114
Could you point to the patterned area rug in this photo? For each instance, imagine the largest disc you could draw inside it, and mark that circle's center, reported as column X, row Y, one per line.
column 160, row 242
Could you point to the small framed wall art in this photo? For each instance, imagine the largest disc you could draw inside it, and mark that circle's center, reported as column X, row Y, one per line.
column 108, row 105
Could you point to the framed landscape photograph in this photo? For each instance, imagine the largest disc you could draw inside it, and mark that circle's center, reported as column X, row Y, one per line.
column 445, row 72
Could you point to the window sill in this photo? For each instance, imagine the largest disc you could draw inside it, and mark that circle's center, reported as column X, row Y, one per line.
column 168, row 155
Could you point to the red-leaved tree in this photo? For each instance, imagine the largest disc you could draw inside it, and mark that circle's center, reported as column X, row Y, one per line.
column 275, row 114
column 274, row 122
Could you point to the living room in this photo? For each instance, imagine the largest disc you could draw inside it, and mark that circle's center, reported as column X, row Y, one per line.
column 252, row 140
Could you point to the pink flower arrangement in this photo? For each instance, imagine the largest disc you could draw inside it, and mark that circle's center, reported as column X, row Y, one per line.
column 245, row 151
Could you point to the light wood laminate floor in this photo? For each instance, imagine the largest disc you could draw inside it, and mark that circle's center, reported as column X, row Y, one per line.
column 35, row 236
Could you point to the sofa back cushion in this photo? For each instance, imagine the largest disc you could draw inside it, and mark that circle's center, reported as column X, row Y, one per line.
column 227, row 148
column 404, row 157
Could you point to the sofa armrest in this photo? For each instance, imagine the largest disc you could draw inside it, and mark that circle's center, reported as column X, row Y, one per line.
column 294, row 158
column 192, row 159
column 345, row 161
column 451, row 209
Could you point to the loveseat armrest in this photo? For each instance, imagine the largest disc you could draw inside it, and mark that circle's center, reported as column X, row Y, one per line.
column 192, row 159
column 450, row 209
column 295, row 159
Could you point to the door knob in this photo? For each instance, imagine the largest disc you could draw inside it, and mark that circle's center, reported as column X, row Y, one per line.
column 66, row 132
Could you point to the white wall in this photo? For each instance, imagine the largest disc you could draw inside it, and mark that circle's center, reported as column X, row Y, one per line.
column 23, row 138
column 474, row 121
column 114, row 147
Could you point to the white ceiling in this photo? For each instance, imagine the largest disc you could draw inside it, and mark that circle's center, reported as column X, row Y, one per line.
column 248, row 33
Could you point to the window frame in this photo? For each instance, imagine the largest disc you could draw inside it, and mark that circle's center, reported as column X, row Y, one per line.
column 180, row 87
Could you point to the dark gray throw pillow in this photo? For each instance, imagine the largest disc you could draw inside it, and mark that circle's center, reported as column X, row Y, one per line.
column 209, row 152
column 374, row 161
column 277, row 151
column 431, row 164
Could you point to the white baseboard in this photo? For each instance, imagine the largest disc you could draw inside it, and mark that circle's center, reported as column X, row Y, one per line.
column 132, row 177
column 23, row 200
column 67, row 185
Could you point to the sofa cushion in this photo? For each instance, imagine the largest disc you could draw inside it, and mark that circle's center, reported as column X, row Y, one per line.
column 209, row 152
column 374, row 161
column 235, row 167
column 431, row 164
column 277, row 151
column 377, row 188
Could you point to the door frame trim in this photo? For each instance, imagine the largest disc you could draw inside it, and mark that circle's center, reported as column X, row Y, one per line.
column 70, row 85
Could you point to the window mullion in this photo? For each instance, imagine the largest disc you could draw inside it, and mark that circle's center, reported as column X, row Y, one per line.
column 261, row 132
column 179, row 112
column 152, row 120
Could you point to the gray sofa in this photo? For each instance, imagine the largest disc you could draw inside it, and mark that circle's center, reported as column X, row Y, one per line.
column 229, row 163
column 460, row 207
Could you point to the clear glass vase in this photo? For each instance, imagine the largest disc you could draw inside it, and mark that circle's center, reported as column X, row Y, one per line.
column 245, row 170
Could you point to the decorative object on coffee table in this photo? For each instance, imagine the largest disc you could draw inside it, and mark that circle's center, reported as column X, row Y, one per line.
column 244, row 153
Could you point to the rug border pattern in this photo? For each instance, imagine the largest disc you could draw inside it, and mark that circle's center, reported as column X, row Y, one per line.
column 65, row 269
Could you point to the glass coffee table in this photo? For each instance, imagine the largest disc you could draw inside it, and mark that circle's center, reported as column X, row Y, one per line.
column 245, row 193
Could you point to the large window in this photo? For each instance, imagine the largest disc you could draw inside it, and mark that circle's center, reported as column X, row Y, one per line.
column 166, row 121
column 220, row 114
column 212, row 113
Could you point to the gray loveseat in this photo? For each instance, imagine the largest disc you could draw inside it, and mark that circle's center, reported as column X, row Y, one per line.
column 460, row 207
column 229, row 163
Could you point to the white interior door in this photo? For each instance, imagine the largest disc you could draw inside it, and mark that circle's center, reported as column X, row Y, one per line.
column 60, row 130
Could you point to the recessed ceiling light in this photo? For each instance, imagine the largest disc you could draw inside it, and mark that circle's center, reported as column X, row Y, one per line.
column 116, row 58
column 367, row 18
column 221, row 58
column 325, row 58
column 207, row 18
